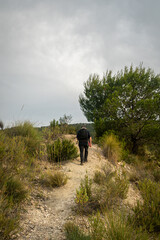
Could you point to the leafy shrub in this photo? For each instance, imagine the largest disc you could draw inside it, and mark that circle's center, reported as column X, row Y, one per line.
column 112, row 148
column 73, row 232
column 147, row 214
column 61, row 150
column 83, row 195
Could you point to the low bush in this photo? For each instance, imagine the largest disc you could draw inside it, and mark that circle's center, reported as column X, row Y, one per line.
column 147, row 214
column 61, row 150
column 84, row 193
column 58, row 179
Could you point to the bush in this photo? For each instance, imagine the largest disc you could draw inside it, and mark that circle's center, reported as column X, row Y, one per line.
column 147, row 214
column 112, row 148
column 57, row 179
column 84, row 194
column 61, row 150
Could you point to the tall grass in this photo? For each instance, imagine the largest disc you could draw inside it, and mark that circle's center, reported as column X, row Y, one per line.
column 30, row 135
column 147, row 214
column 112, row 226
column 112, row 188
column 13, row 192
column 73, row 232
column 56, row 179
column 111, row 147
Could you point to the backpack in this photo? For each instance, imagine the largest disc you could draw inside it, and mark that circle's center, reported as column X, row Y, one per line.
column 83, row 134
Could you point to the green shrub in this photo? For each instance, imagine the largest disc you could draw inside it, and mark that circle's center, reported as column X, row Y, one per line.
column 61, row 150
column 147, row 214
column 129, row 158
column 112, row 148
column 73, row 232
column 84, row 193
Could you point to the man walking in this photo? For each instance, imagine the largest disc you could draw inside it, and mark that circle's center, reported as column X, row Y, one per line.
column 83, row 136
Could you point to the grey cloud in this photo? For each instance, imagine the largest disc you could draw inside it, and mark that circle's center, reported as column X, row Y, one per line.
column 49, row 48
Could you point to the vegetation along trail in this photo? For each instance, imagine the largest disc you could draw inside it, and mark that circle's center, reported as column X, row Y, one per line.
column 45, row 219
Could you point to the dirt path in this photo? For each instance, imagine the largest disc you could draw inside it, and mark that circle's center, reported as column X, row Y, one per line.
column 45, row 221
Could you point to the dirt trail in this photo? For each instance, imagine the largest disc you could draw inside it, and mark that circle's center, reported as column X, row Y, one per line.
column 45, row 221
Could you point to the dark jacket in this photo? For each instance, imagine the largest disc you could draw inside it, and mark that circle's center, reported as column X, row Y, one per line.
column 83, row 137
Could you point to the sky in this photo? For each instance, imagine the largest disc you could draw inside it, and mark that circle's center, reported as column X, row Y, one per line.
column 48, row 49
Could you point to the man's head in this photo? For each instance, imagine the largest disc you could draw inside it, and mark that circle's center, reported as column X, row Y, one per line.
column 83, row 126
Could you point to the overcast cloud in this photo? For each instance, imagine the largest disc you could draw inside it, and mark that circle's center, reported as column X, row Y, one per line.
column 49, row 48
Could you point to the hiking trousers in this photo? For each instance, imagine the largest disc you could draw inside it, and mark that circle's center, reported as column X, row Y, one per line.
column 83, row 153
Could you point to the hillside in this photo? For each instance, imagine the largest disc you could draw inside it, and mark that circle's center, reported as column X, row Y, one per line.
column 46, row 214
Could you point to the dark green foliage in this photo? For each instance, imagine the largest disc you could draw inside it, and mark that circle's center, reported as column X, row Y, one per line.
column 61, row 150
column 73, row 232
column 147, row 213
column 1, row 125
column 127, row 103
